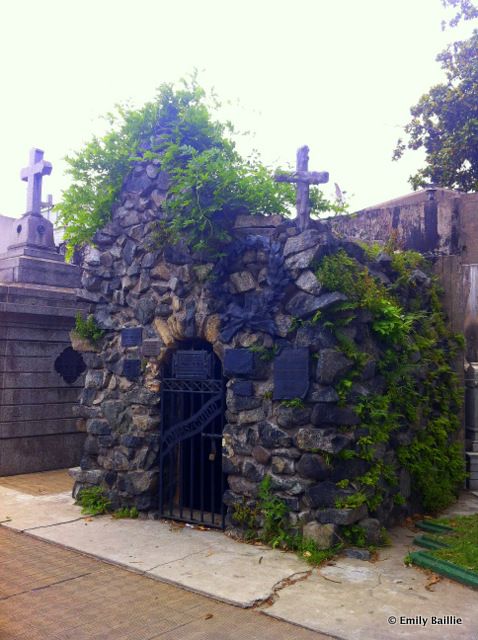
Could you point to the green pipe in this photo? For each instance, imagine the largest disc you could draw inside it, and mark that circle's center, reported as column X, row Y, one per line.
column 445, row 568
column 429, row 543
column 433, row 527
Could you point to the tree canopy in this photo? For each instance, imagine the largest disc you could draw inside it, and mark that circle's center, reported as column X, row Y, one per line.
column 445, row 120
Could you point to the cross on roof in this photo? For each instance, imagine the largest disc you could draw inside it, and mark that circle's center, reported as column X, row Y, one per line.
column 303, row 178
column 33, row 175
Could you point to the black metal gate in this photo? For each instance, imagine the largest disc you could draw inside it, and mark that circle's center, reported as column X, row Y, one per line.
column 192, row 483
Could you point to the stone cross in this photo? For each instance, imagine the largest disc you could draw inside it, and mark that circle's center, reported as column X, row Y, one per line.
column 303, row 178
column 33, row 175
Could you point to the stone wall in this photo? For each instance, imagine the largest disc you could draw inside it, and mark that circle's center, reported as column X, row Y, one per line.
column 253, row 307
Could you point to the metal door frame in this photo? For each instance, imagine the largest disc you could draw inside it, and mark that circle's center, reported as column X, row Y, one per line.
column 201, row 396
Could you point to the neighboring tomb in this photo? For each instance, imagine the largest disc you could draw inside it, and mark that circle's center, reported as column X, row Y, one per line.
column 40, row 375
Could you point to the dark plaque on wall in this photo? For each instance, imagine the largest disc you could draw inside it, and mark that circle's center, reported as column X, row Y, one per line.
column 132, row 369
column 151, row 348
column 70, row 365
column 238, row 362
column 131, row 337
column 291, row 374
column 192, row 365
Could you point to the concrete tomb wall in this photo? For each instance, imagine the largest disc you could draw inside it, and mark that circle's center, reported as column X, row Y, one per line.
column 40, row 375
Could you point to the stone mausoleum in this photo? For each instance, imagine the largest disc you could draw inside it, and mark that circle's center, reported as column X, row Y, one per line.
column 213, row 375
column 40, row 374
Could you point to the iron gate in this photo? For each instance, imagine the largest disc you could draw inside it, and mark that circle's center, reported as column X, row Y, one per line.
column 191, row 486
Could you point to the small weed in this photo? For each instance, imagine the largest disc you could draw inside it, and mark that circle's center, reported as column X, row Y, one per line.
column 295, row 403
column 93, row 501
column 126, row 512
column 88, row 329
column 267, row 354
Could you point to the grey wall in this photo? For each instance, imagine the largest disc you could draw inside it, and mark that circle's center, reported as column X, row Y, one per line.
column 37, row 428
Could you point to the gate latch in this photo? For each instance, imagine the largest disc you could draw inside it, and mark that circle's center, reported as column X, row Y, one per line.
column 212, row 455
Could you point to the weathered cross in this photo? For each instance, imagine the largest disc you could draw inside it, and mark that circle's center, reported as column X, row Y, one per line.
column 33, row 175
column 303, row 178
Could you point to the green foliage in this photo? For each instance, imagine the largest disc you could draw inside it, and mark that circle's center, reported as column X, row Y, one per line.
column 444, row 121
column 268, row 521
column 93, row 501
column 351, row 502
column 307, row 549
column 267, row 354
column 88, row 328
column 275, row 513
column 354, row 535
column 465, row 10
column 295, row 403
column 421, row 389
column 126, row 512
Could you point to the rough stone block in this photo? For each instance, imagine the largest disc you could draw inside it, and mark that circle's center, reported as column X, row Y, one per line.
column 303, row 304
column 324, row 535
column 327, row 414
column 329, row 440
column 243, row 388
column 313, row 467
column 341, row 516
column 331, row 365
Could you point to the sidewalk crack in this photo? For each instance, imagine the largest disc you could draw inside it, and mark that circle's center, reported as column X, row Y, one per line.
column 46, row 586
column 298, row 576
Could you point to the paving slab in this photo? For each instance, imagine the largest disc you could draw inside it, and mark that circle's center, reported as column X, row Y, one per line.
column 190, row 558
column 22, row 511
column 380, row 600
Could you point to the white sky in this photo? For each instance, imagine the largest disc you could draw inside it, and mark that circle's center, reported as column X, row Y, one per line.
column 338, row 75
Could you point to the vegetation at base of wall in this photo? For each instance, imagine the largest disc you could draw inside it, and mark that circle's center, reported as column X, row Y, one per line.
column 267, row 521
column 88, row 329
column 93, row 501
column 125, row 512
column 422, row 392
column 209, row 180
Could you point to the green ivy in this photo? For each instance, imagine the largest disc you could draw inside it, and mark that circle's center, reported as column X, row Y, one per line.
column 421, row 391
column 210, row 180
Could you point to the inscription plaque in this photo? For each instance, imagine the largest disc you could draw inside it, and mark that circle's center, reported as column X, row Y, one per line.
column 151, row 348
column 132, row 337
column 192, row 365
column 238, row 362
column 291, row 374
column 132, row 369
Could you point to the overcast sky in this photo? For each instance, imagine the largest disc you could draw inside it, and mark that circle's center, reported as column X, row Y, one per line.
column 338, row 75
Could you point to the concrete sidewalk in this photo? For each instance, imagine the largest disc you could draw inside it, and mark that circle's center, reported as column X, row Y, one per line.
column 346, row 598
